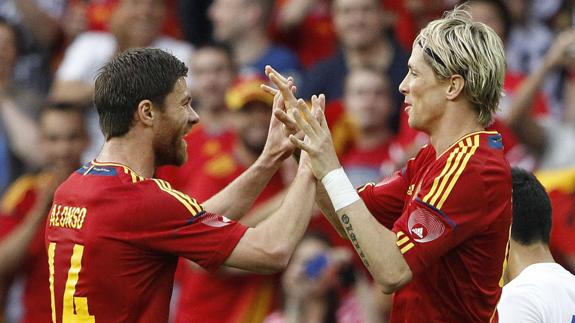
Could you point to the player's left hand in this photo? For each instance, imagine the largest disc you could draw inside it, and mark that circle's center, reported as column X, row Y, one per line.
column 317, row 142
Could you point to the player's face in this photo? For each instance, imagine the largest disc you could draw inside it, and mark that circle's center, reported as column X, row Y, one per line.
column 173, row 124
column 424, row 93
column 213, row 75
column 252, row 123
column 358, row 23
column 368, row 99
column 63, row 139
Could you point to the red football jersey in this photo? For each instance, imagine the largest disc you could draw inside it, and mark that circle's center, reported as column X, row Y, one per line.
column 452, row 215
column 224, row 297
column 17, row 203
column 113, row 240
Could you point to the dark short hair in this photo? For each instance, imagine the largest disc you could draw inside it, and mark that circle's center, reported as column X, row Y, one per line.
column 531, row 209
column 134, row 75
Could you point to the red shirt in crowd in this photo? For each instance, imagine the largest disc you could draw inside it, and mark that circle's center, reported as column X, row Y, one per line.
column 17, row 203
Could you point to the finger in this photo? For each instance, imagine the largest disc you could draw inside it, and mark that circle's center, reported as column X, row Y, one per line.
column 298, row 143
column 302, row 124
column 288, row 122
column 270, row 70
column 311, row 121
column 286, row 92
column 269, row 89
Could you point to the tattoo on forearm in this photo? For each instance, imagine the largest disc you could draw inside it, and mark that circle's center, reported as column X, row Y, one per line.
column 349, row 231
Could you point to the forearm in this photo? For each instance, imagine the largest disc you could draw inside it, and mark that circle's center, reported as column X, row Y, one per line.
column 263, row 210
column 76, row 92
column 323, row 202
column 236, row 198
column 268, row 247
column 376, row 246
column 23, row 133
column 520, row 119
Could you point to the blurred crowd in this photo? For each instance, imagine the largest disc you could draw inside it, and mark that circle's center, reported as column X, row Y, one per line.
column 353, row 51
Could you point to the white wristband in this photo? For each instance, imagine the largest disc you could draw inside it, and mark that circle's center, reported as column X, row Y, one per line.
column 339, row 188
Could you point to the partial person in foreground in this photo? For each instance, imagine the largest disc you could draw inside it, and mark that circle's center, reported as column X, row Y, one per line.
column 435, row 232
column 540, row 290
column 114, row 233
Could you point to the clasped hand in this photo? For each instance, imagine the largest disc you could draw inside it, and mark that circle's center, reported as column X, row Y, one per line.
column 296, row 117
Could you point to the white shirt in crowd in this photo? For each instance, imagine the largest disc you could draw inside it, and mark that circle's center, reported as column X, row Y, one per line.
column 543, row 292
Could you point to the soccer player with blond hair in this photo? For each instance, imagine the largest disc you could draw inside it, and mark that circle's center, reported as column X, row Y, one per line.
column 435, row 232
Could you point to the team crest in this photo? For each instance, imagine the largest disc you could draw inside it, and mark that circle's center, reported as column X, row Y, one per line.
column 424, row 226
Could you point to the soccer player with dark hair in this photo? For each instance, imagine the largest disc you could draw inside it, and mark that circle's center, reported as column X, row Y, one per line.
column 114, row 233
column 540, row 290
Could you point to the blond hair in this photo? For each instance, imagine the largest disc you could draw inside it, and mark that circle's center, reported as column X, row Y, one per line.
column 457, row 45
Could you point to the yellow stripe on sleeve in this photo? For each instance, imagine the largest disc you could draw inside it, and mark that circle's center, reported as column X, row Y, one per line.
column 447, row 166
column 447, row 178
column 402, row 241
column 194, row 209
column 406, row 248
column 190, row 200
column 459, row 172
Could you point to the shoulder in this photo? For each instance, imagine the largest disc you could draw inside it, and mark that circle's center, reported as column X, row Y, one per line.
column 19, row 191
column 158, row 195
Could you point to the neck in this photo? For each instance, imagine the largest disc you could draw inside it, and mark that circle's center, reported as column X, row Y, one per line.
column 378, row 55
column 456, row 122
column 249, row 47
column 522, row 256
column 372, row 137
column 127, row 150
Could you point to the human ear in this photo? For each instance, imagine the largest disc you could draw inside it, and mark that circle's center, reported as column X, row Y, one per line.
column 145, row 112
column 456, row 85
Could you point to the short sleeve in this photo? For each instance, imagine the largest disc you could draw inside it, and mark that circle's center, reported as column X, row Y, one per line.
column 174, row 223
column 429, row 228
column 385, row 200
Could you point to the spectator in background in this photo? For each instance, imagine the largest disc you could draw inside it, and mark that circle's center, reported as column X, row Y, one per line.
column 539, row 290
column 551, row 139
column 24, row 208
column 305, row 26
column 495, row 14
column 246, row 34
column 320, row 285
column 134, row 23
column 528, row 41
column 369, row 104
column 19, row 151
column 231, row 295
column 39, row 23
column 359, row 26
column 213, row 71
